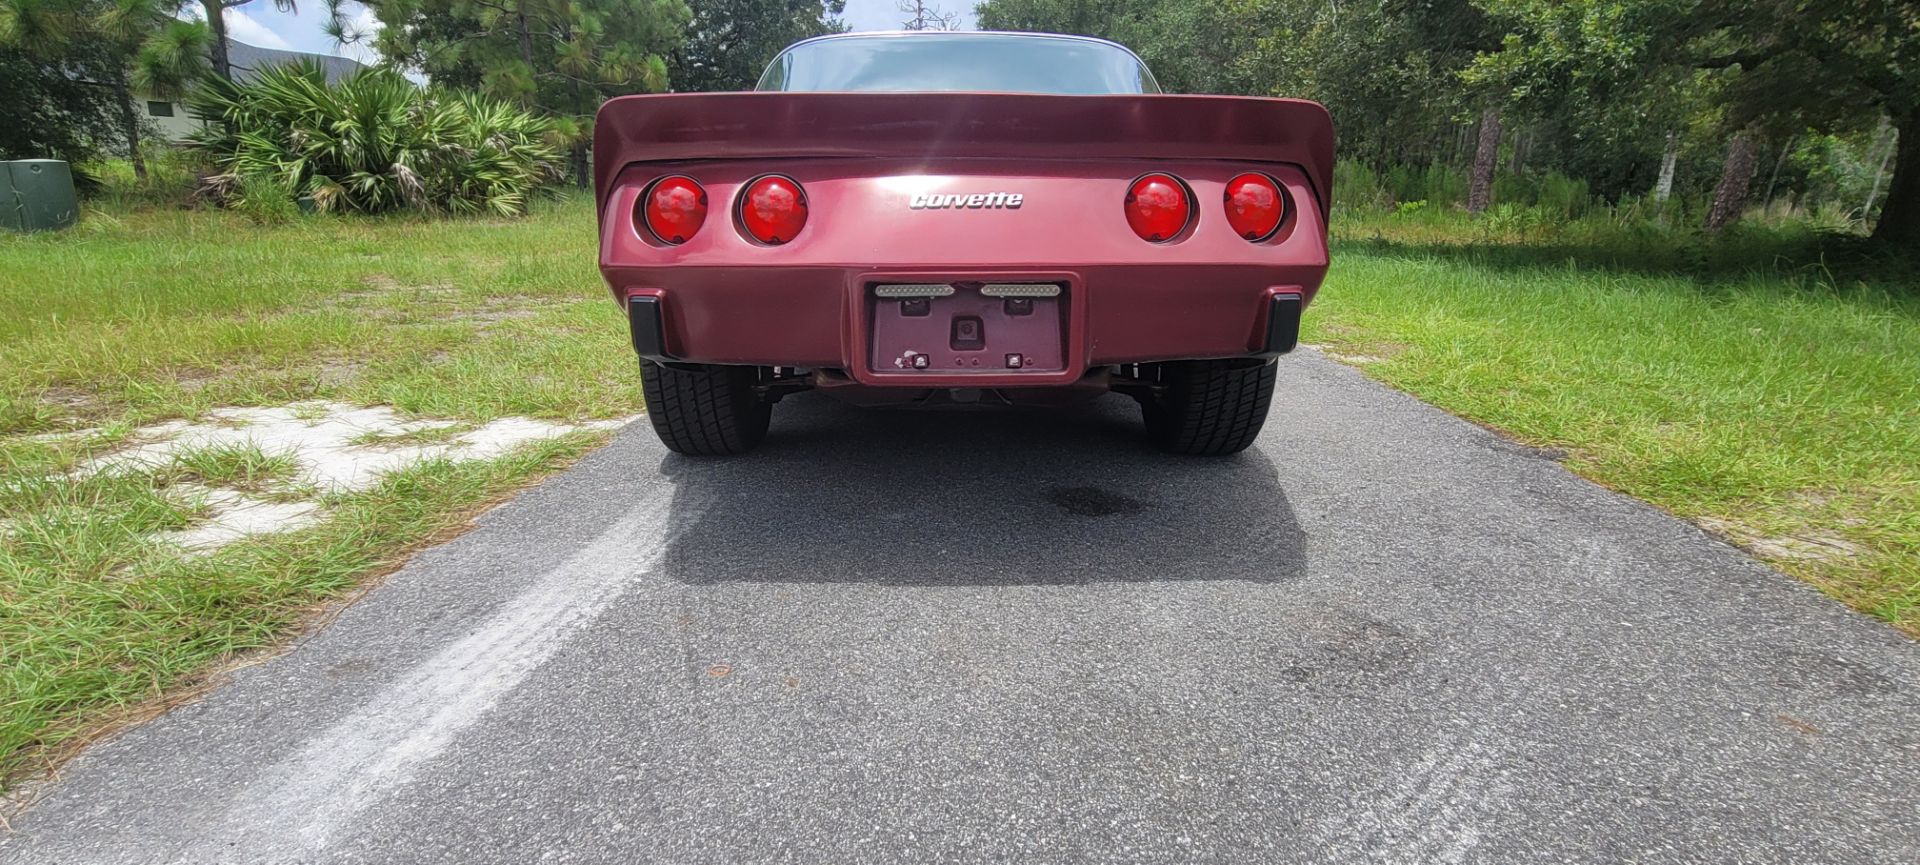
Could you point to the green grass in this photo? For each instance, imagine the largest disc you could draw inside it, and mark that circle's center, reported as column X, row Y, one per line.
column 100, row 623
column 411, row 438
column 1779, row 406
column 164, row 314
column 138, row 316
column 239, row 466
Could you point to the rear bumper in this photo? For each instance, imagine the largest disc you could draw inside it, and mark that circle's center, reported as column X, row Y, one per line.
column 825, row 318
column 721, row 298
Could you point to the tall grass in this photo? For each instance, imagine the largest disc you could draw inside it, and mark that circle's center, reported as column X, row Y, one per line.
column 1551, row 198
column 152, row 315
column 172, row 175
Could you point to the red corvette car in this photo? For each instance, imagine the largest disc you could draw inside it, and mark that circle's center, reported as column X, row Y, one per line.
column 910, row 218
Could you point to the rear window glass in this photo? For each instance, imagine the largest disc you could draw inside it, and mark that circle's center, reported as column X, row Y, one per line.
column 998, row 63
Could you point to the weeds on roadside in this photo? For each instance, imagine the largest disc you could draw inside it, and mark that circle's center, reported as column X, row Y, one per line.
column 97, row 618
column 1775, row 401
column 160, row 314
column 428, row 436
column 241, row 466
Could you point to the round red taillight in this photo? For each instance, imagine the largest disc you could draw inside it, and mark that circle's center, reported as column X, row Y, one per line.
column 674, row 208
column 1254, row 206
column 1158, row 207
column 773, row 209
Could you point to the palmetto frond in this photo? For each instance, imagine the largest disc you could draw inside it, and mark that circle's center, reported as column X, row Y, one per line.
column 375, row 142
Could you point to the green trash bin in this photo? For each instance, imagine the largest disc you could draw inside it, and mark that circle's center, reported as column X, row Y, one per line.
column 36, row 195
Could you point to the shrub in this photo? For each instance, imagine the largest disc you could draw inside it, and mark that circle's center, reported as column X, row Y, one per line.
column 264, row 198
column 1403, row 183
column 372, row 143
column 1435, row 183
column 172, row 175
column 1514, row 189
column 1444, row 185
column 1563, row 195
column 1356, row 187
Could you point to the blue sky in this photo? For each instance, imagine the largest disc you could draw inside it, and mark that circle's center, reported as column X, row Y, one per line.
column 261, row 24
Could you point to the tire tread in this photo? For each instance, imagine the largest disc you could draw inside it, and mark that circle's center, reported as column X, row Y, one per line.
column 1211, row 408
column 709, row 411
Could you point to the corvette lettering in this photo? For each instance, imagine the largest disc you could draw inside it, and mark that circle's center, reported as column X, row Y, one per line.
column 974, row 201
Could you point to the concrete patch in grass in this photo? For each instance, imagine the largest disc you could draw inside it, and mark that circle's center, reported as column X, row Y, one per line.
column 232, row 515
column 1809, row 547
column 252, row 471
column 321, row 438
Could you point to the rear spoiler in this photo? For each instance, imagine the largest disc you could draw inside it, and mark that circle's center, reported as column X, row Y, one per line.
column 658, row 128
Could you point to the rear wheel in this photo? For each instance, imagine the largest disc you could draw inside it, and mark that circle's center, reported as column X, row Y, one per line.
column 1208, row 407
column 705, row 410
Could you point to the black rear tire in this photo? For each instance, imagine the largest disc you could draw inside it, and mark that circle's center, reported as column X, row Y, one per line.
column 1208, row 407
column 705, row 410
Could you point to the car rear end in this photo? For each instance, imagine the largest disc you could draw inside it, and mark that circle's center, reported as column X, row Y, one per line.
column 887, row 246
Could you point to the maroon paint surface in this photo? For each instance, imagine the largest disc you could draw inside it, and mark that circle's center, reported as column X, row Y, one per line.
column 862, row 157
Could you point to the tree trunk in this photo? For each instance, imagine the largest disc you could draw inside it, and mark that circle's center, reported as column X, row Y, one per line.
column 1899, row 224
column 526, row 41
column 130, row 123
column 217, row 21
column 582, row 168
column 1730, row 197
column 1484, row 160
column 1884, row 144
column 1663, row 189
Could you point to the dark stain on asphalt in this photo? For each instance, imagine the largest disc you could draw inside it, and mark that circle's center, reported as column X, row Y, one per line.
column 1344, row 649
column 350, row 668
column 1797, row 724
column 1093, row 502
column 1829, row 675
column 1502, row 444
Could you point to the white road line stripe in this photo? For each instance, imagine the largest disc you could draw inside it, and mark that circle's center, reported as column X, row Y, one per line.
column 372, row 753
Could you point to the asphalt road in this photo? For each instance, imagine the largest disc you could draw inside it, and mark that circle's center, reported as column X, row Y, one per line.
column 1381, row 635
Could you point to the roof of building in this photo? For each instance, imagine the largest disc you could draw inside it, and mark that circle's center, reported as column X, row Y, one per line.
column 247, row 59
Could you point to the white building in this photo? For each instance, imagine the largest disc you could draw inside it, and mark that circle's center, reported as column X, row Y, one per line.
column 170, row 115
